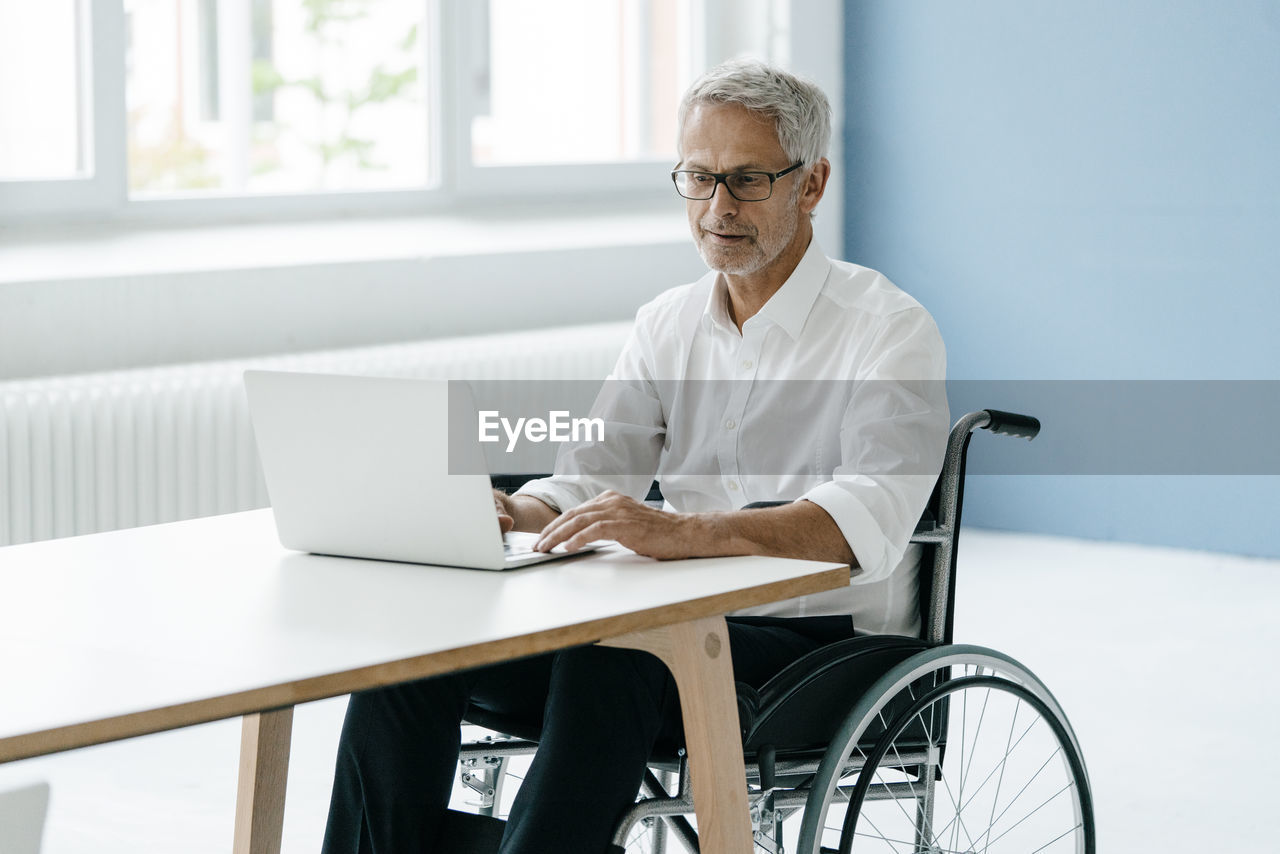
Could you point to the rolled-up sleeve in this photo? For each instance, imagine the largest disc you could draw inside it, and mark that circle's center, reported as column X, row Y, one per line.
column 892, row 439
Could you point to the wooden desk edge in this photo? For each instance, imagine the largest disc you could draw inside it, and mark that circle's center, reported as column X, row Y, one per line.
column 281, row 696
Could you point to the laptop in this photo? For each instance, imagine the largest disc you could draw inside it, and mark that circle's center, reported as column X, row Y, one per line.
column 361, row 467
column 22, row 814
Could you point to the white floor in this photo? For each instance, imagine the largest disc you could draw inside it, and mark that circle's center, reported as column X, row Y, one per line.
column 1163, row 659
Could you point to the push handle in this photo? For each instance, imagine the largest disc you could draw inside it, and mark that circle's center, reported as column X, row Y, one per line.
column 1012, row 424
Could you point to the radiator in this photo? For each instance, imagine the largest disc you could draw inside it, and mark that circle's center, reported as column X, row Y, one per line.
column 96, row 452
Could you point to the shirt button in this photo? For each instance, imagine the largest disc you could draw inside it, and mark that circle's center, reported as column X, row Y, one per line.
column 730, row 424
column 733, row 486
column 746, row 366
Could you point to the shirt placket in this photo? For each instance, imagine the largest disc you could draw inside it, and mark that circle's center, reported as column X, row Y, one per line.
column 742, row 372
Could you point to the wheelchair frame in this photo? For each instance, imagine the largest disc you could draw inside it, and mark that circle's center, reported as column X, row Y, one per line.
column 782, row 782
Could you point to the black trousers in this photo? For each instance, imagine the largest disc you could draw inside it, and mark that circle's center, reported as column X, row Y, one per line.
column 601, row 711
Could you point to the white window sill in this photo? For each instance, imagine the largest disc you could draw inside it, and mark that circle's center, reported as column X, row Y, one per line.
column 48, row 254
column 80, row 300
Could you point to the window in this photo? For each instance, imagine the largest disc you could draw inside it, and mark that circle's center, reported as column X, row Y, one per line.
column 275, row 96
column 628, row 61
column 227, row 108
column 41, row 133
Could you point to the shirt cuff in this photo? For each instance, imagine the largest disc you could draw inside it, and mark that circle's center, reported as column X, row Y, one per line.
column 873, row 551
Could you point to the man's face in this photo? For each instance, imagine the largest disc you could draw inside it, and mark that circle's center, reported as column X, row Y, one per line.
column 736, row 237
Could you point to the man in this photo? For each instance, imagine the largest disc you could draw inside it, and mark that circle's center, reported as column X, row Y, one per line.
column 779, row 375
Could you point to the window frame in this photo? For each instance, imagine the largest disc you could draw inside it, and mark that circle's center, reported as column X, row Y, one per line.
column 455, row 183
column 532, row 181
column 100, row 92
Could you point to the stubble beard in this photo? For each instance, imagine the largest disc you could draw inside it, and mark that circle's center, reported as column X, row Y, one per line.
column 753, row 254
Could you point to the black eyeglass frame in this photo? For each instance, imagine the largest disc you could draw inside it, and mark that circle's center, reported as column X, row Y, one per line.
column 723, row 178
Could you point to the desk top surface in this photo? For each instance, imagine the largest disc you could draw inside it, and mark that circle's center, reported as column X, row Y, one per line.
column 119, row 634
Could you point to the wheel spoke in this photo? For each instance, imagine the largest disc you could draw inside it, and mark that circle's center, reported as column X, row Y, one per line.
column 1024, row 788
column 964, row 740
column 876, row 778
column 879, row 834
column 964, row 773
column 901, row 842
column 925, row 769
column 914, row 794
column 1047, row 801
column 1056, row 838
column 999, row 765
column 915, row 763
column 961, row 807
column 956, row 822
column 897, row 801
column 991, row 820
column 966, row 769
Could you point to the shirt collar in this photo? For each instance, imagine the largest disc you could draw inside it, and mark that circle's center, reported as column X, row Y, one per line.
column 790, row 305
column 717, row 309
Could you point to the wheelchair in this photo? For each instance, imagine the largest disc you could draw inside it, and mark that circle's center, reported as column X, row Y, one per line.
column 875, row 743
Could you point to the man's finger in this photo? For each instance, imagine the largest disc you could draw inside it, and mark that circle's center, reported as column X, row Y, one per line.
column 565, row 527
column 600, row 530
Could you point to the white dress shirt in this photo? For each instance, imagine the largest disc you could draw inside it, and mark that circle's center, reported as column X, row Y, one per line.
column 832, row 393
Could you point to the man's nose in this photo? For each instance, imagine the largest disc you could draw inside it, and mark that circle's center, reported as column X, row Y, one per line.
column 722, row 201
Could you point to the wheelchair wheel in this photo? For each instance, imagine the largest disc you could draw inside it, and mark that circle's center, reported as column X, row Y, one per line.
column 958, row 749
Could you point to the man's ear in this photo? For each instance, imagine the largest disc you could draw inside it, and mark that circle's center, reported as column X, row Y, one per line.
column 815, row 184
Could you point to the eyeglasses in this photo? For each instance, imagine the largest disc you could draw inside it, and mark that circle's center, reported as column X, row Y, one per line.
column 743, row 186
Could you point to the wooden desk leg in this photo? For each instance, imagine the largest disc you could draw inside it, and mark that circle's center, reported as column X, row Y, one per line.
column 264, row 770
column 697, row 653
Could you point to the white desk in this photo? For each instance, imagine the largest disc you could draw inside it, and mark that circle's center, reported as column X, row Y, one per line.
column 131, row 632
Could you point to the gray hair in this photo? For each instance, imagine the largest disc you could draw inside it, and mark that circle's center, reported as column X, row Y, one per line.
column 799, row 109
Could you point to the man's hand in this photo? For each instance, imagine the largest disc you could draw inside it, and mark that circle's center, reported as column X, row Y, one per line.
column 614, row 516
column 502, row 502
column 521, row 512
column 800, row 529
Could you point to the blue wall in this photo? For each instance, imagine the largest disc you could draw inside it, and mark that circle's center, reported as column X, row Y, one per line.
column 1083, row 190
